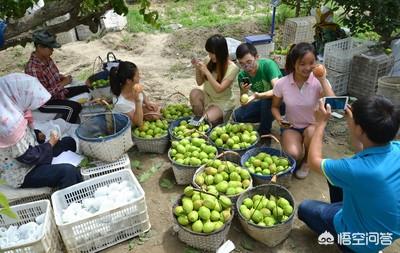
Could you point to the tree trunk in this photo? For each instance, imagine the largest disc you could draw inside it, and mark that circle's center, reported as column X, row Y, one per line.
column 298, row 7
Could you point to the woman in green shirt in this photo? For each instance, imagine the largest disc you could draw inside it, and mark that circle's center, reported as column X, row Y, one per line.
column 216, row 74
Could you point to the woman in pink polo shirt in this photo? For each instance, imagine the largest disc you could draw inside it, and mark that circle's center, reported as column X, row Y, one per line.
column 300, row 90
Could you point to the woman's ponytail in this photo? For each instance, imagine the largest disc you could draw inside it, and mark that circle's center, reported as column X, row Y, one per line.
column 119, row 75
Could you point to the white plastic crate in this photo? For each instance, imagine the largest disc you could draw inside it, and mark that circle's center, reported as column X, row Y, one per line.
column 106, row 228
column 298, row 30
column 25, row 195
column 103, row 168
column 339, row 81
column 49, row 242
column 339, row 54
column 366, row 69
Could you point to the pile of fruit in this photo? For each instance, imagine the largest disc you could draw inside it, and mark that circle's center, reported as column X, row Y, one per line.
column 186, row 130
column 152, row 129
column 264, row 164
column 281, row 50
column 176, row 111
column 203, row 213
column 223, row 177
column 100, row 84
column 193, row 152
column 265, row 211
column 234, row 136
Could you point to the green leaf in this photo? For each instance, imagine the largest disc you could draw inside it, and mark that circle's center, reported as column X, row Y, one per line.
column 4, row 201
column 135, row 164
column 166, row 183
column 247, row 244
column 7, row 211
column 190, row 250
column 149, row 173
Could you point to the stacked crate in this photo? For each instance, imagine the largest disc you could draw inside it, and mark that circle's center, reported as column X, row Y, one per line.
column 367, row 68
column 338, row 57
column 298, row 30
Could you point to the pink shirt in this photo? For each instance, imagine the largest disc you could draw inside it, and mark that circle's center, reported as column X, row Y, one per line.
column 299, row 103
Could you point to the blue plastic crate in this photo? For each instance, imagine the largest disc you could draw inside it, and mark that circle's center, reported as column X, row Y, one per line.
column 259, row 39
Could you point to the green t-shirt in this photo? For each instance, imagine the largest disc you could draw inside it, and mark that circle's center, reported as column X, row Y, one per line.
column 261, row 82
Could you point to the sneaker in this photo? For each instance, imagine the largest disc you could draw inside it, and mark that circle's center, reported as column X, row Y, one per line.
column 302, row 172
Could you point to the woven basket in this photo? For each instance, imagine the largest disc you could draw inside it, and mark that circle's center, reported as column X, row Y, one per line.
column 111, row 147
column 176, row 123
column 274, row 235
column 230, row 156
column 169, row 99
column 153, row 145
column 283, row 178
column 222, row 155
column 206, row 242
column 183, row 173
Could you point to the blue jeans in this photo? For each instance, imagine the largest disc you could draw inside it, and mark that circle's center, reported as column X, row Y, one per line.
column 57, row 175
column 257, row 111
column 318, row 215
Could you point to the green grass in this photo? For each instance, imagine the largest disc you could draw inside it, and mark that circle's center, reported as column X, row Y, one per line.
column 136, row 22
column 206, row 13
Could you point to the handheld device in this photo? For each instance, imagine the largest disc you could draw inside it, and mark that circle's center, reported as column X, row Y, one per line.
column 246, row 80
column 336, row 103
column 286, row 123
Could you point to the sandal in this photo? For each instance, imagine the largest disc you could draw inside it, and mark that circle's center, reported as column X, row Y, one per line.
column 303, row 171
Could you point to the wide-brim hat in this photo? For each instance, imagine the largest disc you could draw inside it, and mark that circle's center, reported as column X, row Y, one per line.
column 45, row 38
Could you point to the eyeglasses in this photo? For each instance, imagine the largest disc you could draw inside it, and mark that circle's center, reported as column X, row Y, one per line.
column 249, row 64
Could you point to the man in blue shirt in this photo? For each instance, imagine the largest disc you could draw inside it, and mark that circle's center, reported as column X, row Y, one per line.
column 368, row 217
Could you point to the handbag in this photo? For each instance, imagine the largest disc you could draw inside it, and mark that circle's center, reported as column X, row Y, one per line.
column 104, row 72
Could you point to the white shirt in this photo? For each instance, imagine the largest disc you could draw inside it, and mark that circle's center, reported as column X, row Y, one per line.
column 123, row 105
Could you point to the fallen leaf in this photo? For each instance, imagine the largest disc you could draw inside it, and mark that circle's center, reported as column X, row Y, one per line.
column 166, row 183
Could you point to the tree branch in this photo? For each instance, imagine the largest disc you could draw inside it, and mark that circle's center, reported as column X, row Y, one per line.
column 49, row 11
column 73, row 21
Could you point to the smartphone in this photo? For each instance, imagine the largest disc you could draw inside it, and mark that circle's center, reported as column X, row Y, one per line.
column 246, row 80
column 336, row 103
column 286, row 123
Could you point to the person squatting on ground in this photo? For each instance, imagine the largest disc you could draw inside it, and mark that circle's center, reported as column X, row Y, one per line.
column 370, row 180
column 23, row 162
column 300, row 90
column 216, row 74
column 262, row 75
column 128, row 99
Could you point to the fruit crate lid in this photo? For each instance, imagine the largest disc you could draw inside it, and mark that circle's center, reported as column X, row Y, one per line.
column 258, row 39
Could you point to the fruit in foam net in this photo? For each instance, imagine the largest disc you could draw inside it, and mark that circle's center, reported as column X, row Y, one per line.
column 209, row 215
column 234, row 136
column 152, row 129
column 319, row 70
column 175, row 111
column 265, row 211
column 138, row 87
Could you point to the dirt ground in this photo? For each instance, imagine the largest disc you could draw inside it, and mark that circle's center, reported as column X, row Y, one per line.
column 164, row 62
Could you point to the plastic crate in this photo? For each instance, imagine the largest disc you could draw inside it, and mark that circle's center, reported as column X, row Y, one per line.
column 103, row 229
column 298, row 30
column 339, row 54
column 263, row 43
column 18, row 196
column 366, row 69
column 103, row 168
column 339, row 81
column 49, row 242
